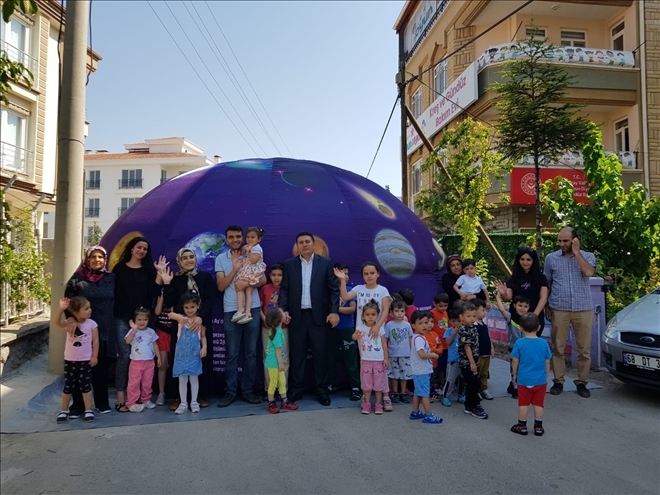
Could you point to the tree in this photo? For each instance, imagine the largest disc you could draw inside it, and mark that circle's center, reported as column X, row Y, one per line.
column 13, row 71
column 621, row 226
column 534, row 119
column 458, row 197
column 95, row 235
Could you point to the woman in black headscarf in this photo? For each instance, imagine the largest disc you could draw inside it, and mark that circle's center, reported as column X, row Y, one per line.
column 92, row 281
column 454, row 267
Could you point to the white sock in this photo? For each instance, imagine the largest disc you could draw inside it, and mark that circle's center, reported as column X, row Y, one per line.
column 183, row 389
column 194, row 388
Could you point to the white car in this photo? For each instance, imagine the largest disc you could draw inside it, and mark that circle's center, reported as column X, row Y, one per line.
column 632, row 342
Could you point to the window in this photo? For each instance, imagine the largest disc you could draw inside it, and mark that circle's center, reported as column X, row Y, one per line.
column 16, row 41
column 416, row 182
column 417, row 103
column 131, row 179
column 94, row 180
column 93, row 209
column 126, row 203
column 163, row 176
column 13, row 132
column 621, row 135
column 440, row 79
column 617, row 36
column 574, row 38
column 536, row 33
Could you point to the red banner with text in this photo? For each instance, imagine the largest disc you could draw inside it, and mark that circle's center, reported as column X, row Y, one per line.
column 523, row 183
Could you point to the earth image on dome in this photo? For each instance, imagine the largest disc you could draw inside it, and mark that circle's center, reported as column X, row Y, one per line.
column 207, row 246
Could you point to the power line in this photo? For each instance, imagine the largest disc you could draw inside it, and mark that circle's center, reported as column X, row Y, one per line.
column 202, row 80
column 247, row 78
column 469, row 42
column 383, row 136
column 232, row 77
column 213, row 77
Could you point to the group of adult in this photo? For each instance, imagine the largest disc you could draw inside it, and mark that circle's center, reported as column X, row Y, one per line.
column 559, row 292
column 309, row 297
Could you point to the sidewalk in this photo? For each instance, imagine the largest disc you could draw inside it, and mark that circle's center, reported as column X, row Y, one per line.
column 19, row 386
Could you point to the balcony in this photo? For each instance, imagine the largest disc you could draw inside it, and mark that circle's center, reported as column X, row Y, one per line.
column 602, row 76
column 575, row 159
column 18, row 55
column 130, row 183
column 93, row 184
column 15, row 160
column 92, row 212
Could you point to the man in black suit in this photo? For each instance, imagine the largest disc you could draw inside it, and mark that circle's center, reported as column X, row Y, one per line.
column 309, row 298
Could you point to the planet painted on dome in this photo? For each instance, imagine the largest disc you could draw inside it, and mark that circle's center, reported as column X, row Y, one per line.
column 376, row 203
column 207, row 246
column 395, row 254
column 320, row 247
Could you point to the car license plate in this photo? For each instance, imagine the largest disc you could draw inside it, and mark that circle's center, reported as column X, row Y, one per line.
column 651, row 363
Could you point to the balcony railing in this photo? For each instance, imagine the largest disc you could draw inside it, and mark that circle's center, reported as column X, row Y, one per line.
column 92, row 212
column 93, row 184
column 561, row 54
column 16, row 160
column 575, row 159
column 18, row 55
column 121, row 211
column 130, row 183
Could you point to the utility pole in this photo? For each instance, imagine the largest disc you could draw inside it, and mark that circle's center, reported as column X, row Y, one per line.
column 401, row 83
column 70, row 166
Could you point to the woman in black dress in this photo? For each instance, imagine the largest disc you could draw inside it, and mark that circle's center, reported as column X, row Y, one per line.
column 186, row 279
column 527, row 280
column 454, row 270
column 136, row 284
column 91, row 280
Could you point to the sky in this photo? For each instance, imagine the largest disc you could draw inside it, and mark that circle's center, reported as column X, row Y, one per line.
column 324, row 72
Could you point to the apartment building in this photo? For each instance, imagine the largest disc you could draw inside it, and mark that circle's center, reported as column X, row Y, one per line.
column 610, row 46
column 28, row 125
column 116, row 181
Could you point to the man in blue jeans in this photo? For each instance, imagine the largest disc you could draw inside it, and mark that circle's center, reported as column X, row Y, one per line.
column 226, row 266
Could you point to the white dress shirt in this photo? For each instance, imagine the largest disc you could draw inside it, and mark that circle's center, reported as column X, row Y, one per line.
column 306, row 267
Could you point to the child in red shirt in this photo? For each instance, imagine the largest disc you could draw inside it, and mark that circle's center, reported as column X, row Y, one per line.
column 440, row 324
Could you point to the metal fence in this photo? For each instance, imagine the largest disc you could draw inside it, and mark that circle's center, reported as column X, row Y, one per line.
column 11, row 311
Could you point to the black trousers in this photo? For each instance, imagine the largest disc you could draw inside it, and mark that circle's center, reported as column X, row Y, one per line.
column 99, row 388
column 472, row 386
column 301, row 334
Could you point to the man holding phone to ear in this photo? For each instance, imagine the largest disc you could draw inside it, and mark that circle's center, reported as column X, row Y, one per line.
column 568, row 271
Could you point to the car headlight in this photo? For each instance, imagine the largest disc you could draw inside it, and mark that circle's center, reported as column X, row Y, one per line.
column 611, row 331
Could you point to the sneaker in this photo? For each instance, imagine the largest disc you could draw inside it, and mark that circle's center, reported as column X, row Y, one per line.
column 272, row 408
column 62, row 417
column 89, row 416
column 437, row 397
column 160, row 401
column 136, row 408
column 226, row 400
column 150, row 405
column 396, row 398
column 416, row 415
column 237, row 316
column 287, row 405
column 183, row 407
column 105, row 411
column 405, row 399
column 366, row 408
column 247, row 318
column 251, row 398
column 461, row 399
column 583, row 391
column 194, row 407
column 479, row 413
column 520, row 429
column 379, row 409
column 355, row 395
column 432, row 419
column 174, row 405
column 446, row 402
column 387, row 404
column 486, row 395
column 557, row 389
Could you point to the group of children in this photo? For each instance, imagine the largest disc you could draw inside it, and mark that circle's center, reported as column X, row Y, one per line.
column 439, row 351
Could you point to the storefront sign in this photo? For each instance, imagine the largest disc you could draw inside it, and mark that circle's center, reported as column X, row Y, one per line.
column 420, row 20
column 460, row 94
column 523, row 183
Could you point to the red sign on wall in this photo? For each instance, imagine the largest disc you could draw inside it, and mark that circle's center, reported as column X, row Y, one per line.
column 523, row 183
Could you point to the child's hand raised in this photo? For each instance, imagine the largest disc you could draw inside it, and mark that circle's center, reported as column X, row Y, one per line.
column 64, row 303
column 132, row 324
column 340, row 275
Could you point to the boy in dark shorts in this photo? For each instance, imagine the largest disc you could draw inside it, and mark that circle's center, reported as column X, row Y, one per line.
column 530, row 360
column 468, row 356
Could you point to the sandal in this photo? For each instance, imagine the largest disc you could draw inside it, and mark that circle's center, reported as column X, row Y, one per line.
column 519, row 429
column 538, row 430
column 119, row 406
column 62, row 417
column 89, row 416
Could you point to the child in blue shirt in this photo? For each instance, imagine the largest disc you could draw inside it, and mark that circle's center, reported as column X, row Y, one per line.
column 530, row 360
column 453, row 371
